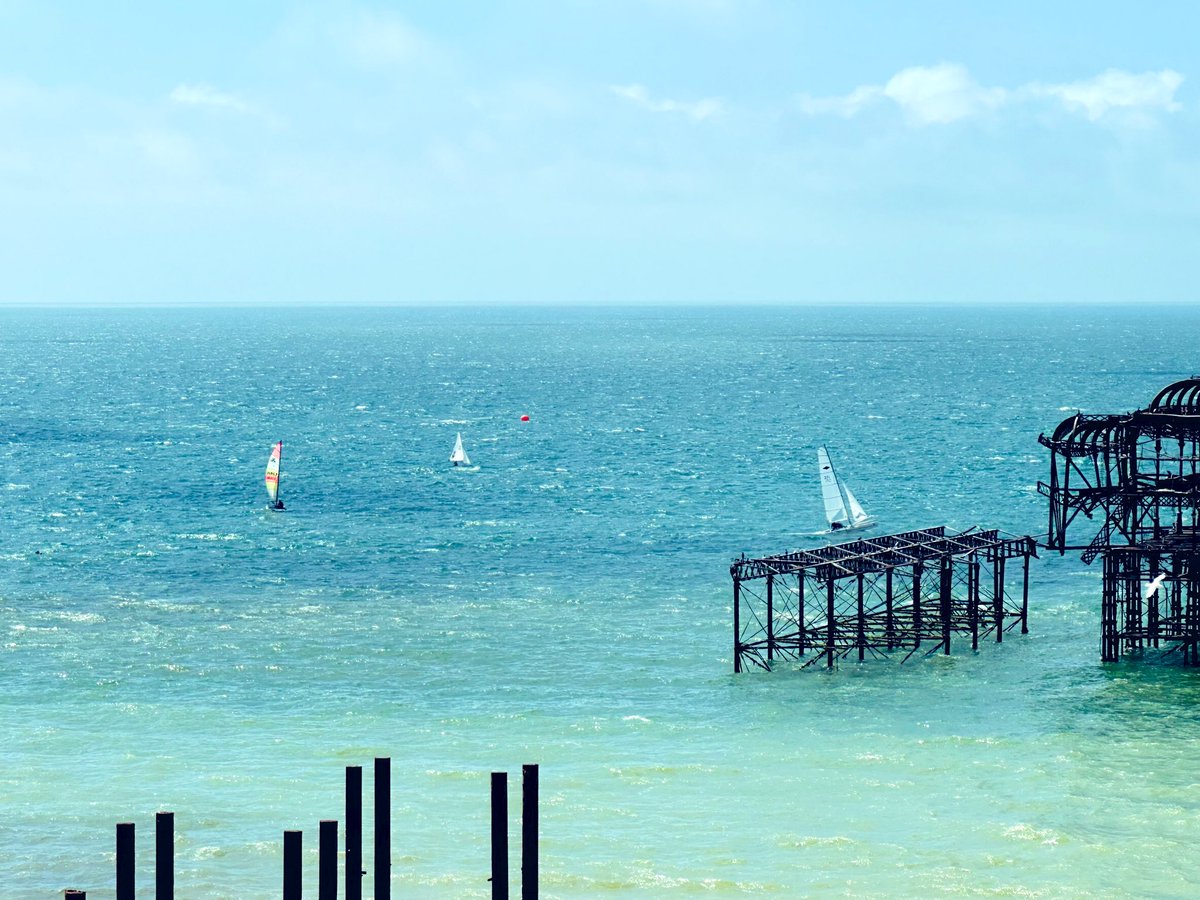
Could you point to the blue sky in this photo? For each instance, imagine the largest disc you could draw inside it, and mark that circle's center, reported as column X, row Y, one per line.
column 598, row 151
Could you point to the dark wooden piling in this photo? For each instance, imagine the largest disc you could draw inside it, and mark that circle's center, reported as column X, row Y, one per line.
column 327, row 859
column 125, row 883
column 71, row 894
column 293, row 873
column 499, row 836
column 354, row 870
column 529, row 831
column 383, row 828
column 164, row 856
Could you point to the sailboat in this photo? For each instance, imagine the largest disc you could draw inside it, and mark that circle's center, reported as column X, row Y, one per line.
column 272, row 476
column 842, row 509
column 459, row 455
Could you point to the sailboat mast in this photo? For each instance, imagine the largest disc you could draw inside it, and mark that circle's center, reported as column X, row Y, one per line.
column 278, row 479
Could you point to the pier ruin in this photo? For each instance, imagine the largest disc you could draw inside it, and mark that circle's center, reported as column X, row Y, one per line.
column 895, row 594
column 1137, row 474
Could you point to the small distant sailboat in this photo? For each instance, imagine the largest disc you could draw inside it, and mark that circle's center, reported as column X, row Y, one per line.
column 842, row 509
column 459, row 456
column 272, row 477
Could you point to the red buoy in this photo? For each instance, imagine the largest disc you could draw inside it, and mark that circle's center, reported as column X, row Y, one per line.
column 524, row 418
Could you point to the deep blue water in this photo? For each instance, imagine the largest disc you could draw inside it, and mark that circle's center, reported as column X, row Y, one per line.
column 169, row 644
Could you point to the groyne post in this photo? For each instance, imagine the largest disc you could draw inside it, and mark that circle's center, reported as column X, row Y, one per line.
column 327, row 858
column 499, row 836
column 164, row 856
column 354, row 871
column 383, row 828
column 125, row 888
column 529, row 831
column 293, row 875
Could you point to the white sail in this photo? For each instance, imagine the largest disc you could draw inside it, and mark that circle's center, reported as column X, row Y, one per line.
column 857, row 513
column 842, row 509
column 272, row 476
column 831, row 492
column 459, row 455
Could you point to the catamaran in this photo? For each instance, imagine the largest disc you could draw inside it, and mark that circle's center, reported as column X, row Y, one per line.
column 842, row 510
column 272, row 477
column 459, row 455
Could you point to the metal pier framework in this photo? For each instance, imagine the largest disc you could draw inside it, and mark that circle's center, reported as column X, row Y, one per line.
column 1138, row 475
column 898, row 593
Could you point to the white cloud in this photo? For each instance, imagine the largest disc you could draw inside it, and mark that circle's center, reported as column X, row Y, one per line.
column 940, row 94
column 697, row 111
column 1115, row 89
column 204, row 95
column 945, row 93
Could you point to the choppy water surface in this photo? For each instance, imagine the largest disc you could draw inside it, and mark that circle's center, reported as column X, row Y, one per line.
column 169, row 644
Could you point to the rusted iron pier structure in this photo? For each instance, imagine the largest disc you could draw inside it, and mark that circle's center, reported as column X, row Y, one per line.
column 1138, row 473
column 898, row 593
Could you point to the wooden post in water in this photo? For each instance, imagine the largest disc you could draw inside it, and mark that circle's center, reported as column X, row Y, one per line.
column 1025, row 599
column 354, row 871
column 293, row 874
column 998, row 596
column 125, row 888
column 383, row 828
column 164, row 856
column 72, row 894
column 916, row 598
column 499, row 836
column 327, row 857
column 529, row 831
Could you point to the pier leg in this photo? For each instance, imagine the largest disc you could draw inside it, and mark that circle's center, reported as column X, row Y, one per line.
column 164, row 856
column 916, row 608
column 354, row 870
column 800, row 613
column 529, row 832
column 125, row 887
column 293, row 873
column 830, row 628
column 860, row 636
column 998, row 596
column 770, row 619
column 737, row 626
column 890, row 621
column 973, row 601
column 1025, row 598
column 383, row 828
column 327, row 859
column 944, row 596
column 499, row 836
column 1108, row 610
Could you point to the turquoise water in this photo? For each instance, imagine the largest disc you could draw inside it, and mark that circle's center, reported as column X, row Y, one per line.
column 169, row 644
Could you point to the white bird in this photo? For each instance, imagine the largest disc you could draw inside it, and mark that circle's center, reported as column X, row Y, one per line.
column 1152, row 587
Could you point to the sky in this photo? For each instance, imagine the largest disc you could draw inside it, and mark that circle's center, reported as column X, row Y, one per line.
column 574, row 152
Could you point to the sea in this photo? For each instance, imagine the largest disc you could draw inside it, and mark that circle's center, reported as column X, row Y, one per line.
column 167, row 643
